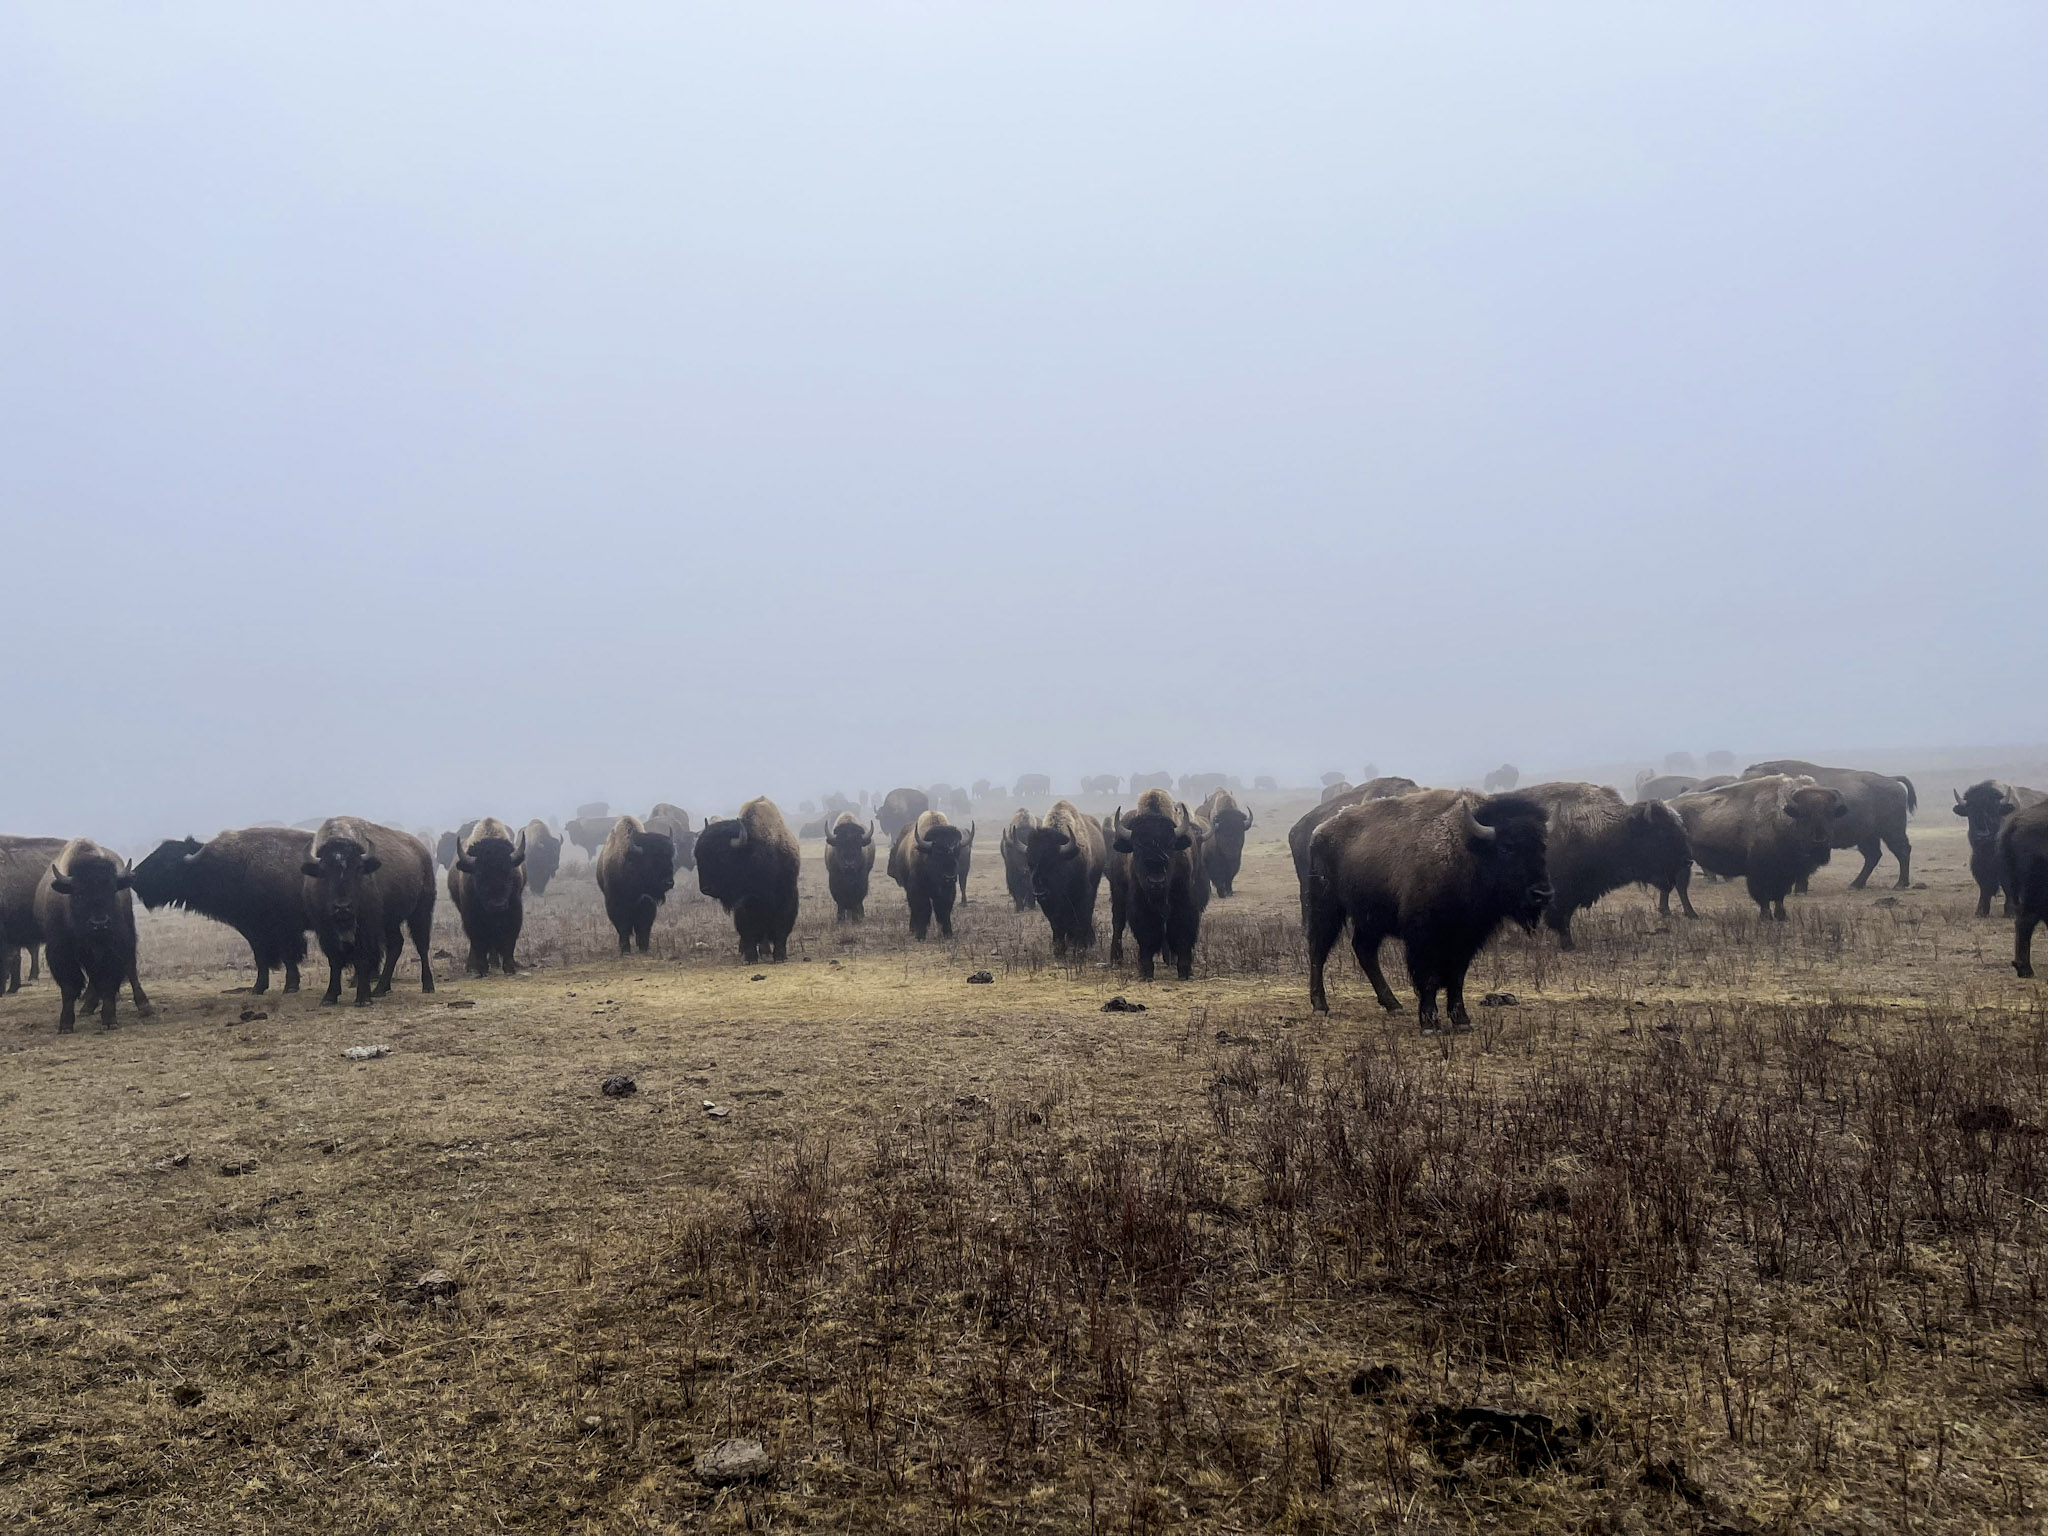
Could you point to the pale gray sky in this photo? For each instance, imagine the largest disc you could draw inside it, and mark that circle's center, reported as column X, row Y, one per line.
column 430, row 410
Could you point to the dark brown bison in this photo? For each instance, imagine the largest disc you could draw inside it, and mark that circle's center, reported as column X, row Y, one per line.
column 1299, row 834
column 1663, row 786
column 636, row 869
column 1100, row 784
column 925, row 861
column 1595, row 842
column 252, row 880
column 1879, row 805
column 1773, row 831
column 23, row 861
column 750, row 865
column 1227, row 822
column 1032, row 786
column 543, row 855
column 87, row 922
column 1159, row 883
column 589, row 832
column 1985, row 806
column 1505, row 777
column 488, row 887
column 1140, row 782
column 1016, row 863
column 446, row 847
column 849, row 864
column 2023, row 843
column 899, row 808
column 1066, row 857
column 674, row 821
column 1440, row 869
column 365, row 888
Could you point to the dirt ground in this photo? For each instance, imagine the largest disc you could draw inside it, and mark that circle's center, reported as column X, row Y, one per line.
column 1715, row 1226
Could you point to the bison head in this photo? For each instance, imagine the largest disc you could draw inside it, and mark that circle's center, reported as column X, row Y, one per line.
column 1505, row 834
column 1812, row 813
column 939, row 849
column 1657, row 841
column 160, row 878
column 1155, row 843
column 340, row 865
column 493, row 868
column 845, row 843
column 1049, row 852
column 1985, row 806
column 93, row 884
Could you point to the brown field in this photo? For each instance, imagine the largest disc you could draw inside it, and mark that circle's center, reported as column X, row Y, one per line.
column 1744, row 1220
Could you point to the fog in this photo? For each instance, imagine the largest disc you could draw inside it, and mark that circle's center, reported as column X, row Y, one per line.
column 434, row 411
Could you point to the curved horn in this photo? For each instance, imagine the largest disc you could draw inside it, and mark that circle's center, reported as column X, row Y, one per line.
column 519, row 857
column 1477, row 831
column 1958, row 794
column 869, row 836
column 1248, row 818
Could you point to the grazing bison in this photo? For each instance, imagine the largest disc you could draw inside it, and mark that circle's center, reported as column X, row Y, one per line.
column 1066, row 857
column 1505, row 777
column 488, row 887
column 1774, row 831
column 1879, row 805
column 252, row 880
column 1299, row 834
column 365, row 888
column 87, row 923
column 849, row 863
column 1140, row 782
column 543, row 855
column 1100, row 784
column 1158, row 883
column 1016, row 864
column 636, row 869
column 674, row 821
column 1596, row 842
column 2023, row 842
column 925, row 861
column 1986, row 806
column 1033, row 786
column 1227, row 822
column 23, row 861
column 1441, row 869
column 749, row 865
column 589, row 832
column 899, row 808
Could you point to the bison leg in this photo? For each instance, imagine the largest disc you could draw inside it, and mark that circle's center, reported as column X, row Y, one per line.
column 422, row 929
column 35, row 962
column 478, row 963
column 333, row 994
column 70, row 983
column 643, row 931
column 394, row 946
column 942, row 909
column 1325, row 923
column 1871, row 852
column 144, row 1008
column 366, row 975
column 2022, row 942
column 1902, row 850
column 10, row 965
column 1559, row 917
column 920, row 914
column 291, row 974
column 262, row 976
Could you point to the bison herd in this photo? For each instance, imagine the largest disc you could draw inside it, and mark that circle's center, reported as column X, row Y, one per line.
column 1440, row 870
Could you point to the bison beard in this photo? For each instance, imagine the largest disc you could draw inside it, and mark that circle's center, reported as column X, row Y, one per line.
column 750, row 867
column 1441, row 870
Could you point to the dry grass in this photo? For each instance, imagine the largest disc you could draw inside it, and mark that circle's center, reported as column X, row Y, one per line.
column 1743, row 1219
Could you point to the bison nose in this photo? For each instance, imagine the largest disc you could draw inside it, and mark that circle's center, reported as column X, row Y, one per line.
column 1541, row 893
column 96, row 923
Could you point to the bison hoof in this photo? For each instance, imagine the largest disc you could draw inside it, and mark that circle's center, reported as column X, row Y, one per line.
column 145, row 1010
column 2026, row 972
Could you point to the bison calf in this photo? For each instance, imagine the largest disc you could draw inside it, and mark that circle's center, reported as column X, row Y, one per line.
column 87, row 922
column 488, row 887
column 636, row 869
column 849, row 864
column 750, row 866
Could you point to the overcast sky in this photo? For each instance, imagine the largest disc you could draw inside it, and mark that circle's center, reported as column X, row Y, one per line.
column 433, row 410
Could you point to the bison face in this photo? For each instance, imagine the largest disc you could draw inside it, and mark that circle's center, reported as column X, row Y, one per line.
column 1506, row 836
column 160, row 878
column 1812, row 813
column 94, row 887
column 1155, row 843
column 651, row 863
column 1656, row 837
column 493, row 867
column 940, row 851
column 1049, row 853
column 340, row 865
column 1985, row 807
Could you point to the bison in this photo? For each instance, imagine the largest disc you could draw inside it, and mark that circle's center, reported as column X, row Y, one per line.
column 1033, row 786
column 1199, row 786
column 22, row 863
column 1066, row 858
column 675, row 822
column 1336, row 790
column 925, row 861
column 1227, row 822
column 365, row 888
column 1651, row 785
column 543, row 855
column 966, row 860
column 590, row 832
column 2023, row 844
column 1100, row 784
column 1774, row 831
column 749, row 865
column 87, row 923
column 1159, row 883
column 1140, row 782
column 1986, row 806
column 1505, row 777
column 1441, row 869
column 1595, row 842
column 636, row 869
column 252, row 880
column 488, row 887
column 849, row 863
column 1299, row 834
column 446, row 847
column 1016, row 863
column 1879, row 805
column 899, row 808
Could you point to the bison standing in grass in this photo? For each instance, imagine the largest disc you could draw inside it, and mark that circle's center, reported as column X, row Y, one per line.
column 1440, row 869
column 899, row 808
column 543, row 855
column 925, row 861
column 2023, row 843
column 674, row 822
column 749, row 865
column 1224, row 848
column 1878, row 807
column 1299, row 834
column 1986, row 806
column 253, row 880
column 365, row 888
column 1016, row 863
column 1773, row 831
column 88, row 926
column 589, row 833
column 1594, row 843
column 636, row 869
column 23, row 861
column 1066, row 859
column 1158, row 883
column 849, row 865
column 488, row 887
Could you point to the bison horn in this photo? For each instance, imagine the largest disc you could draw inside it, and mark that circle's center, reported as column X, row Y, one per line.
column 869, row 836
column 739, row 838
column 1476, row 831
column 1958, row 794
column 520, row 857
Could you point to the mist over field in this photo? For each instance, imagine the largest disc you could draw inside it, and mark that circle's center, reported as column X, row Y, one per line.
column 437, row 412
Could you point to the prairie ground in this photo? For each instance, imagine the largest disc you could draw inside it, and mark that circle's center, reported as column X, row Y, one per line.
column 1717, row 1226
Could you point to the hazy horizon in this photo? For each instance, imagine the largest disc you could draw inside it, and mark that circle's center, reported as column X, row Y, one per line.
column 444, row 412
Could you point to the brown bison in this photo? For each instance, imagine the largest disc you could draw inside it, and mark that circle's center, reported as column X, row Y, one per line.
column 1986, row 806
column 1595, row 842
column 365, row 888
column 252, row 880
column 589, row 832
column 1299, row 834
column 1663, row 786
column 543, row 855
column 674, row 821
column 750, row 866
column 1336, row 789
column 899, row 808
column 1066, row 857
column 23, row 861
column 1441, row 869
column 849, row 864
column 1773, row 831
column 1016, row 863
column 1879, row 805
column 925, row 861
column 1227, row 822
column 2023, row 842
column 636, row 869
column 966, row 860
column 87, row 922
column 1100, row 784
column 1140, row 782
column 1505, row 777
column 1159, row 883
column 488, row 887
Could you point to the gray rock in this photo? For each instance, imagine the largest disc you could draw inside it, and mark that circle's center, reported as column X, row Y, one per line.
column 618, row 1087
column 733, row 1461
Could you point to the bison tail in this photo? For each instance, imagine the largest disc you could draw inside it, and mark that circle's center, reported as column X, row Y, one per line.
column 1912, row 794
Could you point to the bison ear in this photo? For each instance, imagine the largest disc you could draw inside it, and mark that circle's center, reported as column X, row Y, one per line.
column 192, row 846
column 371, row 863
column 311, row 869
column 1959, row 808
column 1123, row 845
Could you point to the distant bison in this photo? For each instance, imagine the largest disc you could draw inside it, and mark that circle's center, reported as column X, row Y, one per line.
column 673, row 822
column 543, row 855
column 1336, row 790
column 925, row 861
column 252, row 880
column 1140, row 782
column 899, row 808
column 22, row 863
column 488, row 887
column 982, row 787
column 1159, row 883
column 1774, row 831
column 1100, row 784
column 1506, row 776
column 589, row 832
column 1227, row 822
column 1442, row 869
column 1595, row 842
column 1066, row 856
column 1663, row 786
column 2023, row 841
column 1333, row 777
column 1986, row 806
column 1031, row 786
column 1016, row 863
column 636, row 869
column 966, row 860
column 836, row 805
column 1194, row 787
column 750, row 866
column 87, row 921
column 446, row 846
column 1879, row 805
column 365, row 888
column 1303, row 829
column 849, row 863
column 1266, row 783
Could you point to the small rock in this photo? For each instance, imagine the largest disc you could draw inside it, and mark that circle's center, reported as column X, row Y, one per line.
column 716, row 1111
column 733, row 1461
column 237, row 1169
column 981, row 979
column 1886, row 901
column 1375, row 1381
column 593, row 1421
column 1499, row 1000
column 436, row 1282
column 618, row 1086
column 758, row 976
column 1122, row 1005
column 251, row 1015
column 185, row 1395
column 460, row 1002
column 366, row 1052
